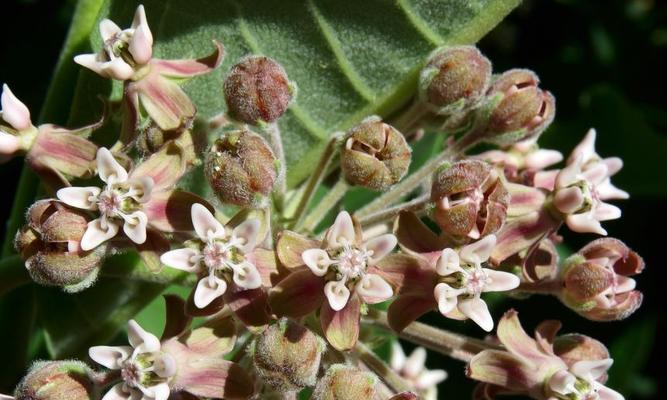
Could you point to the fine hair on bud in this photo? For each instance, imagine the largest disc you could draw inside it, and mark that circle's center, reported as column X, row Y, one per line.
column 343, row 382
column 58, row 380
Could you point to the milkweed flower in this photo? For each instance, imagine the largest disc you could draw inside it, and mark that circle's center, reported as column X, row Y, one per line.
column 412, row 368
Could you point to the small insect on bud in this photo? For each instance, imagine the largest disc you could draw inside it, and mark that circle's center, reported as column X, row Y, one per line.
column 58, row 380
column 375, row 155
column 454, row 79
column 257, row 90
column 342, row 382
column 241, row 169
column 287, row 356
column 522, row 110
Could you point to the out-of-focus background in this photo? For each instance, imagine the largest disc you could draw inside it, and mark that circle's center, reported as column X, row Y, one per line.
column 605, row 61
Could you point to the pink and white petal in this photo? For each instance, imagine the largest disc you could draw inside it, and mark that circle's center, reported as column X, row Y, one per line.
column 373, row 289
column 545, row 179
column 246, row 276
column 291, row 246
column 408, row 308
column 111, row 357
column 591, row 369
column 208, row 290
column 97, row 232
column 206, row 225
column 117, row 392
column 596, row 173
column 9, row 144
column 477, row 310
column 92, row 62
column 414, row 364
column 398, row 358
column 429, row 378
column 189, row 68
column 500, row 281
column 624, row 284
column 448, row 263
column 337, row 294
column 142, row 188
column 562, row 382
column 108, row 29
column 606, row 212
column 165, row 102
column 79, row 197
column 317, row 260
column 446, row 297
column 297, row 295
column 584, row 223
column 341, row 328
column 141, row 340
column 267, row 265
column 569, row 200
column 341, row 232
column 159, row 391
column 248, row 232
column 117, row 69
column 250, row 306
column 165, row 167
column 479, row 251
column 135, row 227
column 605, row 393
column 171, row 211
column 512, row 335
column 504, row 369
column 585, row 149
column 607, row 191
column 108, row 169
column 184, row 259
column 6, row 397
column 570, row 174
column 141, row 44
column 614, row 164
column 14, row 112
column 380, row 247
column 542, row 158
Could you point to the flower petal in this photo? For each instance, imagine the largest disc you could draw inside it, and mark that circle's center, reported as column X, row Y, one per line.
column 117, row 392
column 341, row 328
column 185, row 259
column 189, row 68
column 591, row 369
column 398, row 358
column 569, row 200
column 415, row 363
column 500, row 281
column 79, row 197
column 159, row 391
column 135, row 227
column 448, row 263
column 246, row 276
column 512, row 335
column 446, row 296
column 606, row 212
column 165, row 102
column 297, row 295
column 111, row 357
column 428, row 379
column 14, row 112
column 108, row 28
column 250, row 306
column 478, row 252
column 380, row 247
column 317, row 260
column 92, row 62
column 171, row 211
column 9, row 144
column 208, row 291
column 291, row 246
column 408, row 308
column 165, row 167
column 584, row 223
column 117, row 69
column 337, row 294
column 248, row 232
column 373, row 289
column 542, row 158
column 141, row 44
column 570, row 174
column 504, row 369
column 562, row 382
column 205, row 224
column 141, row 340
column 97, row 232
column 477, row 310
column 605, row 393
column 109, row 170
column 341, row 232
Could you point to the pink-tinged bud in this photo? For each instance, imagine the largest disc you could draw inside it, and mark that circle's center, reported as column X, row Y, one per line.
column 471, row 199
column 287, row 356
column 454, row 79
column 257, row 90
column 375, row 155
column 58, row 380
column 242, row 169
column 597, row 283
column 522, row 110
column 342, row 382
column 574, row 347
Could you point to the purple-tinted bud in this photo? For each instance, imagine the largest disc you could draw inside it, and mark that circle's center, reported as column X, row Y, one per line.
column 58, row 380
column 342, row 382
column 375, row 155
column 242, row 169
column 574, row 347
column 257, row 90
column 454, row 79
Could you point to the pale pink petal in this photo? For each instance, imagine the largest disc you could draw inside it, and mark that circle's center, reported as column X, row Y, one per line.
column 135, row 227
column 108, row 29
column 624, row 284
column 208, row 290
column 477, row 310
column 109, row 170
column 184, row 259
column 543, row 158
column 97, row 232
column 111, row 357
column 248, row 232
column 160, row 391
column 606, row 212
column 591, row 370
column 205, row 224
column 165, row 365
column 141, row 44
column 9, row 144
column 430, row 378
column 247, row 276
column 141, row 189
column 570, row 174
column 614, row 164
column 478, row 252
column 586, row 148
column 92, row 62
column 605, row 393
column 380, row 247
column 596, row 173
column 398, row 358
column 144, row 341
column 584, row 223
column 446, row 296
column 117, row 69
column 414, row 365
column 607, row 191
column 337, row 294
column 448, row 263
column 500, row 281
column 569, row 200
column 545, row 179
column 140, row 18
column 14, row 112
column 79, row 197
column 5, row 397
column 562, row 382
column 118, row 393
column 373, row 289
column 341, row 232
column 317, row 260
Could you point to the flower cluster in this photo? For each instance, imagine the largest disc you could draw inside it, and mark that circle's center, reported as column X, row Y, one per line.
column 293, row 293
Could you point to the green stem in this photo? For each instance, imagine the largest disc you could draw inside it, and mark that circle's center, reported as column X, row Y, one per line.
column 415, row 205
column 277, row 145
column 381, row 369
column 325, row 205
column 409, row 119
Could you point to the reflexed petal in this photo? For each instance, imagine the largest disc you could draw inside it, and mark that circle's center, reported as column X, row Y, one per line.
column 118, row 393
column 165, row 101
column 415, row 363
column 141, row 44
column 117, row 69
column 596, row 173
column 614, row 164
column 214, row 378
column 247, row 276
column 171, row 210
column 380, row 246
column 98, row 232
column 477, row 310
column 248, row 231
column 140, row 18
column 504, row 369
column 206, row 291
column 337, row 294
column 605, row 393
column 478, row 252
column 543, row 158
column 299, row 294
column 500, row 281
column 317, row 260
column 562, row 382
column 397, row 359
column 428, row 379
column 607, row 191
column 448, row 263
column 140, row 339
column 584, row 223
column 341, row 328
column 205, row 224
column 135, row 227
column 341, row 232
column 512, row 335
column 184, row 259
column 79, row 197
column 9, row 144
column 160, row 391
column 373, row 289
column 142, row 188
column 570, row 174
column 291, row 246
column 191, row 67
column 606, row 212
column 14, row 112
column 446, row 296
column 109, row 170
column 110, row 357
column 108, row 28
column 586, row 148
column 408, row 308
column 569, row 200
column 591, row 370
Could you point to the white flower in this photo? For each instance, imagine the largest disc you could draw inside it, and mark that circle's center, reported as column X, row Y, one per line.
column 221, row 252
column 463, row 280
column 123, row 50
column 347, row 264
column 17, row 116
column 5, row 397
column 413, row 370
column 119, row 202
column 580, row 381
column 144, row 369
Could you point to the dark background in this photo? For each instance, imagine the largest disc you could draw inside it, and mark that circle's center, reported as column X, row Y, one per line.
column 604, row 61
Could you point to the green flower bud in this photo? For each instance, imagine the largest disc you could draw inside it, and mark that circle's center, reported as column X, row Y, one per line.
column 454, row 79
column 287, row 356
column 257, row 90
column 241, row 169
column 343, row 382
column 58, row 380
column 375, row 155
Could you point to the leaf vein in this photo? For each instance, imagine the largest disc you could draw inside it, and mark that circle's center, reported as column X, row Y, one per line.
column 419, row 24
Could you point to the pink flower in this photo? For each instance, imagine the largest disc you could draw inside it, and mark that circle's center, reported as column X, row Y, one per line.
column 412, row 368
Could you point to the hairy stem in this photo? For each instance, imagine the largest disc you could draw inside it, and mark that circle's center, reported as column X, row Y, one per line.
column 380, row 368
column 277, row 145
column 417, row 204
column 408, row 121
column 325, row 205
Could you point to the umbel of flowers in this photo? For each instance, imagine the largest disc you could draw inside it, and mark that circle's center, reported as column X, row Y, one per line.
column 293, row 291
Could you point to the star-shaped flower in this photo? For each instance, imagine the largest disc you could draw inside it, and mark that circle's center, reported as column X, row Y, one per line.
column 413, row 369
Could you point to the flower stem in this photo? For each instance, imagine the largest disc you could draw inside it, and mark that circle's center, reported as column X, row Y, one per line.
column 325, row 205
column 277, row 146
column 417, row 204
column 547, row 286
column 12, row 274
column 380, row 368
column 409, row 119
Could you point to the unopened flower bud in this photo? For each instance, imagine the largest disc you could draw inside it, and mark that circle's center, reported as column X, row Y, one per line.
column 375, row 155
column 342, row 382
column 58, row 380
column 241, row 169
column 522, row 110
column 454, row 78
column 257, row 90
column 574, row 347
column 287, row 356
column 471, row 199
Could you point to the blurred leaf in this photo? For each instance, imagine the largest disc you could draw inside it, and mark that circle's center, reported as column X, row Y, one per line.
column 630, row 352
column 17, row 319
